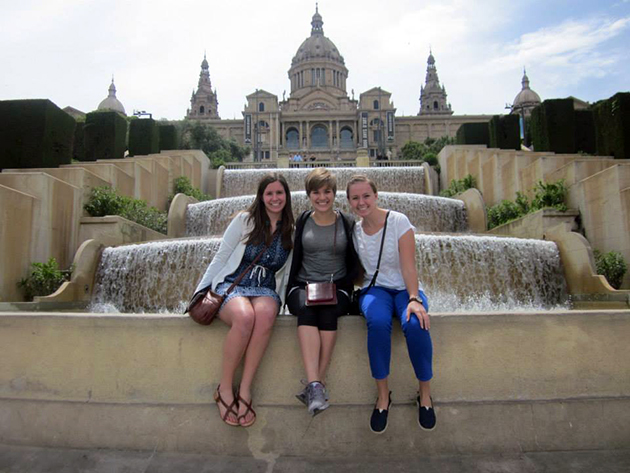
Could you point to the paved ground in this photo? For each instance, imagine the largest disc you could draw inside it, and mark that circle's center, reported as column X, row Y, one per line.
column 48, row 460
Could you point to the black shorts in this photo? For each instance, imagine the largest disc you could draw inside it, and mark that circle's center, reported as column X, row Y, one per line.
column 324, row 317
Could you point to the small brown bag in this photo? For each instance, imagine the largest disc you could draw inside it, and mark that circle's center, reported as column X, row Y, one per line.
column 321, row 293
column 204, row 305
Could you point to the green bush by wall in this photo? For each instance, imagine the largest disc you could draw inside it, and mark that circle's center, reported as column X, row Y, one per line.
column 553, row 126
column 169, row 138
column 104, row 135
column 504, row 132
column 612, row 126
column 34, row 134
column 584, row 132
column 144, row 137
column 473, row 134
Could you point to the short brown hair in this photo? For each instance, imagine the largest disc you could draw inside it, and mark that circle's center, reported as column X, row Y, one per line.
column 357, row 179
column 318, row 178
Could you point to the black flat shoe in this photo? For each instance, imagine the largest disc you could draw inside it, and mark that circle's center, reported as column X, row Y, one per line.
column 426, row 416
column 378, row 421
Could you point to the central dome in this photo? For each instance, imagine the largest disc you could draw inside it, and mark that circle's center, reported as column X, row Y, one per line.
column 317, row 46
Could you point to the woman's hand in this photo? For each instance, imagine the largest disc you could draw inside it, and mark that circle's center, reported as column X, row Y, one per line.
column 418, row 309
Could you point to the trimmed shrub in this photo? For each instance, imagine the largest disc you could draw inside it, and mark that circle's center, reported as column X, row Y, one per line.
column 612, row 126
column 549, row 195
column 504, row 132
column 104, row 135
column 612, row 266
column 144, row 137
column 503, row 213
column 78, row 150
column 106, row 201
column 473, row 134
column 553, row 126
column 168, row 137
column 584, row 132
column 45, row 278
column 34, row 134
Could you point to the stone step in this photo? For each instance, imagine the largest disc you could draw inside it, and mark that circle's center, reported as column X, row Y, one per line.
column 503, row 382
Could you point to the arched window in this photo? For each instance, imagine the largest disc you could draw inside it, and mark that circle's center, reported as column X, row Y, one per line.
column 347, row 138
column 377, row 122
column 435, row 105
column 263, row 125
column 319, row 137
column 376, row 105
column 293, row 141
column 201, row 110
column 261, row 107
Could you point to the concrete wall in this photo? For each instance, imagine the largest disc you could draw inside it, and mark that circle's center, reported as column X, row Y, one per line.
column 501, row 381
column 16, row 224
column 536, row 224
column 114, row 230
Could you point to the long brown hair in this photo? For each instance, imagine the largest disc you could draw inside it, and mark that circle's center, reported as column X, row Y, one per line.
column 259, row 218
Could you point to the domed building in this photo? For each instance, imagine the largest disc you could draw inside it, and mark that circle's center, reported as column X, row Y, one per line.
column 526, row 100
column 320, row 119
column 111, row 102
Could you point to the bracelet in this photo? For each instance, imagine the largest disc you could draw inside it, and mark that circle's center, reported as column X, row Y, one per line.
column 414, row 298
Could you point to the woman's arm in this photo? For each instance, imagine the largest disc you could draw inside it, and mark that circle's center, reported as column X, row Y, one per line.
column 407, row 252
column 231, row 238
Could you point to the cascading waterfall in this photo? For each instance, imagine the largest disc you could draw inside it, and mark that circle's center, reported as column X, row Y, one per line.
column 426, row 213
column 237, row 182
column 467, row 273
column 484, row 273
column 151, row 277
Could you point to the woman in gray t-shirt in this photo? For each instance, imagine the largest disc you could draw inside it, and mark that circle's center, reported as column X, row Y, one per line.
column 323, row 252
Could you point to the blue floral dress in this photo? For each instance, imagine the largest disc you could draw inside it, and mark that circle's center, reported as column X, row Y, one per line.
column 261, row 279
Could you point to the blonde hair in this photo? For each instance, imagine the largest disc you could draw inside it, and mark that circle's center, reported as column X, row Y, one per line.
column 358, row 179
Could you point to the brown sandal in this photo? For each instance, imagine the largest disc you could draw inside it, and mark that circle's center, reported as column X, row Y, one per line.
column 228, row 409
column 249, row 408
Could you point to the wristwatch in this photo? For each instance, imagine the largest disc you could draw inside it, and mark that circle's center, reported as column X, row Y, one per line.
column 414, row 298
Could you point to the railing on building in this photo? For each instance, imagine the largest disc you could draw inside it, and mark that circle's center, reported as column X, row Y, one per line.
column 326, row 164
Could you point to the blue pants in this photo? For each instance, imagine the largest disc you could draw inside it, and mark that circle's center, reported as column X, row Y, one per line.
column 379, row 305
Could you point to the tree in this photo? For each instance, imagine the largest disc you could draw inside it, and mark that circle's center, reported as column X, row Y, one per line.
column 197, row 135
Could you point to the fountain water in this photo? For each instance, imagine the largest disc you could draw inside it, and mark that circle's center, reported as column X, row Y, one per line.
column 458, row 272
column 237, row 182
column 427, row 213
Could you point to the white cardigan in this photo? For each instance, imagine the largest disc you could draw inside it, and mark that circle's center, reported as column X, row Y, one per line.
column 230, row 254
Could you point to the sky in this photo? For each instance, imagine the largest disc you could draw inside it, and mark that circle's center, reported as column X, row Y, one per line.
column 68, row 50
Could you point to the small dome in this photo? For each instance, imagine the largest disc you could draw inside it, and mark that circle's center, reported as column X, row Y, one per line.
column 204, row 63
column 431, row 60
column 526, row 96
column 111, row 102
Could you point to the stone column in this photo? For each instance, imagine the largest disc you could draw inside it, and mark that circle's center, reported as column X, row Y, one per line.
column 330, row 134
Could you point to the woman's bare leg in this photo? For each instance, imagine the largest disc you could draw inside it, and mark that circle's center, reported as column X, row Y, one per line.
column 383, row 393
column 310, row 346
column 265, row 310
column 238, row 314
column 327, row 341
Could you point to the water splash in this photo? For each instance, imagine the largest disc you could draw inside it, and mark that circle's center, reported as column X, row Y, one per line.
column 459, row 274
column 487, row 274
column 238, row 182
column 426, row 213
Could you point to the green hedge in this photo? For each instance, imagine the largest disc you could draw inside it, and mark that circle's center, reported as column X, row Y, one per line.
column 584, row 132
column 553, row 126
column 34, row 134
column 473, row 134
column 612, row 126
column 144, row 137
column 78, row 150
column 104, row 135
column 504, row 132
column 169, row 138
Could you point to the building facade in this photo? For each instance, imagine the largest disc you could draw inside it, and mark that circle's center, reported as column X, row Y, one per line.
column 319, row 118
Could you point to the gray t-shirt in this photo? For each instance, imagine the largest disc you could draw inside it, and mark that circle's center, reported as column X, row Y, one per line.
column 318, row 262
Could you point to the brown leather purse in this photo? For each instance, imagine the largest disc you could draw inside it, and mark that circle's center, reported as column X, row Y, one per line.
column 204, row 305
column 323, row 293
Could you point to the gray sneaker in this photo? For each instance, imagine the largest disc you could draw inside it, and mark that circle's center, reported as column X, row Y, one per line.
column 301, row 396
column 316, row 398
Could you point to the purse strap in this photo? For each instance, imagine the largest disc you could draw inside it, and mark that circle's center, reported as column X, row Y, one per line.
column 242, row 275
column 380, row 253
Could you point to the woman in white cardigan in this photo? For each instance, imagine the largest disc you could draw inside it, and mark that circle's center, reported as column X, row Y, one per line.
column 251, row 308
